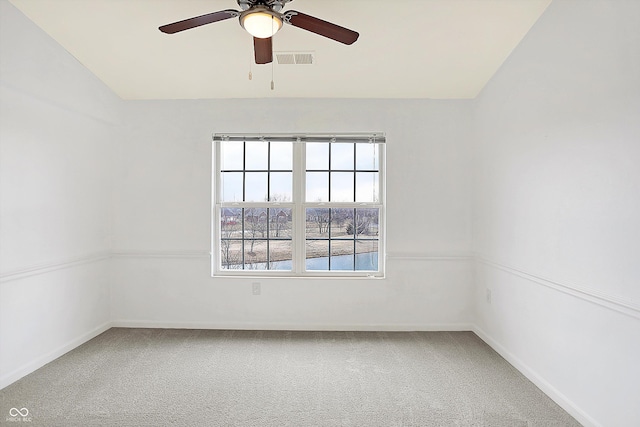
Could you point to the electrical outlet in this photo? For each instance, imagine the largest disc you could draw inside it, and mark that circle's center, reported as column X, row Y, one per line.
column 488, row 295
column 256, row 288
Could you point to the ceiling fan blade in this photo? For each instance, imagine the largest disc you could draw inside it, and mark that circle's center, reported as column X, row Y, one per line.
column 197, row 21
column 263, row 49
column 318, row 26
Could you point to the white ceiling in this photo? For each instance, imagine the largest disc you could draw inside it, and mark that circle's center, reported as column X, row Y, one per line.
column 441, row 49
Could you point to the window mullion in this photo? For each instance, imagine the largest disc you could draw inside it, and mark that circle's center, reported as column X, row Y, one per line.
column 244, row 177
column 299, row 218
column 244, row 241
column 268, row 238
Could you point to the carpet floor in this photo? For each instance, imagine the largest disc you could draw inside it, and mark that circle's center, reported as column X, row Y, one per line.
column 166, row 377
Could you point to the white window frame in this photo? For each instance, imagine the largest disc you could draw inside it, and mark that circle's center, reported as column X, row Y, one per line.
column 298, row 205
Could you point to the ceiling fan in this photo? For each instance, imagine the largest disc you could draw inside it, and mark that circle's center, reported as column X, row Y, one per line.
column 262, row 19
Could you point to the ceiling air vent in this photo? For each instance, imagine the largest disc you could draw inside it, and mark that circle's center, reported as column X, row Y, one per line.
column 294, row 58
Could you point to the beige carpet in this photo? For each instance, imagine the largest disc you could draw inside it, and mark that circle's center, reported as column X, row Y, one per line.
column 160, row 377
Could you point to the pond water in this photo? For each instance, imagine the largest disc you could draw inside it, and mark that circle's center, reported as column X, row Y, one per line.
column 363, row 262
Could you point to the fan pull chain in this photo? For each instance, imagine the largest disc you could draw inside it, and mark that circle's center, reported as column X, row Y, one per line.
column 272, row 84
column 250, row 62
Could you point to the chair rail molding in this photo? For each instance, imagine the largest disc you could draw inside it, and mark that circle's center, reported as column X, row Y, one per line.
column 37, row 269
column 197, row 254
column 610, row 301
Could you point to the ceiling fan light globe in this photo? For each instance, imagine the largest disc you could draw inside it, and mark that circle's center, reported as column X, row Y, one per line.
column 261, row 24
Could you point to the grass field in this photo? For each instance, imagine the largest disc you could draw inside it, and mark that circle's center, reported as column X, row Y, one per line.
column 341, row 243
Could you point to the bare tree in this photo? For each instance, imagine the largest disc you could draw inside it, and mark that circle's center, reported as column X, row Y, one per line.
column 361, row 224
column 255, row 223
column 340, row 216
column 279, row 221
column 277, row 197
column 229, row 247
column 321, row 217
column 231, row 257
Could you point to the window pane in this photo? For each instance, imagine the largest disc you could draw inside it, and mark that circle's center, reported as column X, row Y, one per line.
column 281, row 156
column 281, row 184
column 231, row 254
column 367, row 221
column 255, row 187
column 317, row 255
column 231, row 187
column 317, row 155
column 367, row 156
column 342, row 156
column 255, row 223
column 256, row 155
column 280, row 255
column 342, row 187
column 317, row 187
column 231, row 155
column 342, row 255
column 340, row 218
column 367, row 187
column 230, row 223
column 367, row 255
column 317, row 223
column 341, row 263
column 280, row 223
column 255, row 255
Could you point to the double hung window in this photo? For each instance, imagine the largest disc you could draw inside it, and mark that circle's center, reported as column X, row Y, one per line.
column 298, row 205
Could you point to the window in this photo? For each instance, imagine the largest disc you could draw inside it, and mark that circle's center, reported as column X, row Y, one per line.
column 298, row 205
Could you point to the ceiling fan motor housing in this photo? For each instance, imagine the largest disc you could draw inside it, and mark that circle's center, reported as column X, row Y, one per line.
column 275, row 5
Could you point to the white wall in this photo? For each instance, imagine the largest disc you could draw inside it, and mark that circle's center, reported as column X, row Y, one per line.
column 557, row 208
column 163, row 219
column 57, row 126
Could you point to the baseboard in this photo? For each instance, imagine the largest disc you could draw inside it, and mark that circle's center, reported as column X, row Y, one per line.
column 29, row 367
column 400, row 327
column 553, row 393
